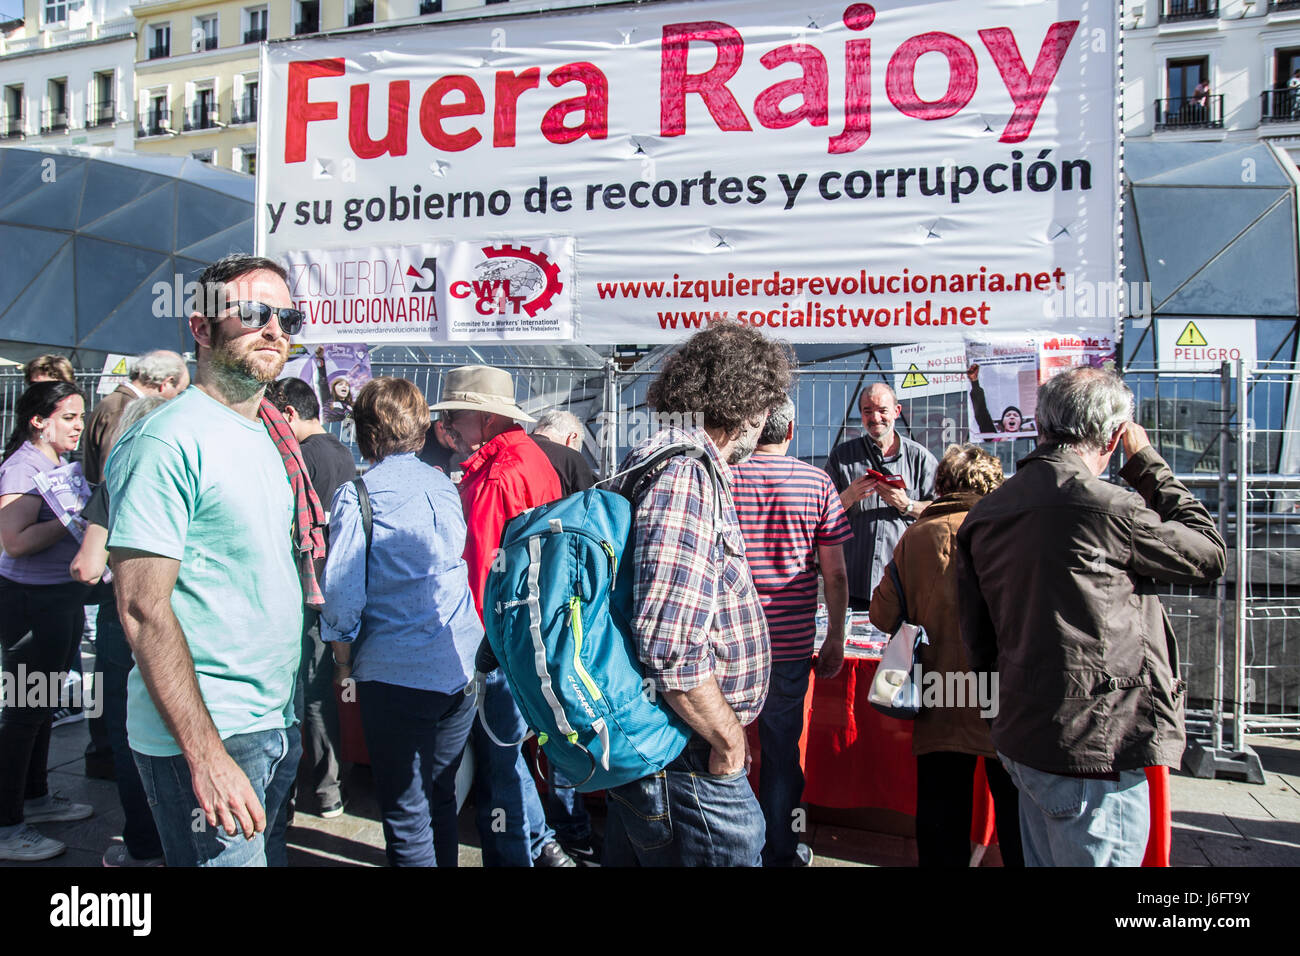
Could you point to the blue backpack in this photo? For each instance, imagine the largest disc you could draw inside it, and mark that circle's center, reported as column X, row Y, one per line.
column 559, row 610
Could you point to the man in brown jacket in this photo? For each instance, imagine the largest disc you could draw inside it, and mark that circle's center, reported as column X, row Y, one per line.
column 154, row 373
column 1057, row 594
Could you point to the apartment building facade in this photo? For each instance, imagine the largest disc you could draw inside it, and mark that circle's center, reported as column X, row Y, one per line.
column 67, row 74
column 1213, row 70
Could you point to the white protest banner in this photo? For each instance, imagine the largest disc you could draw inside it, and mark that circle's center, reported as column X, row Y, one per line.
column 435, row 292
column 915, row 365
column 914, row 171
column 1003, row 379
column 1197, row 344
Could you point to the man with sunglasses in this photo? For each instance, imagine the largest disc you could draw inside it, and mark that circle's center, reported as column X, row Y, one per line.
column 211, row 601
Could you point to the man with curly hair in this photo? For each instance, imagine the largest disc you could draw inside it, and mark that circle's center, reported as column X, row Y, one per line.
column 697, row 619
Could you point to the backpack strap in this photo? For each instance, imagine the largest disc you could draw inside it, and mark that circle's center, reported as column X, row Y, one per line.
column 368, row 526
column 640, row 477
column 898, row 586
column 367, row 520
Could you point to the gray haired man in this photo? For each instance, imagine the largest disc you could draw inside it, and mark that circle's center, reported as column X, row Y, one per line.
column 159, row 373
column 1056, row 591
column 559, row 435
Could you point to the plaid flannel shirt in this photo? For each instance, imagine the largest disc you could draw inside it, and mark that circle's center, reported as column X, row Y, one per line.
column 696, row 612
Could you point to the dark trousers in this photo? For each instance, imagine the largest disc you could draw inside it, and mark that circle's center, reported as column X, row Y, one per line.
column 415, row 739
column 318, row 709
column 565, row 810
column 945, row 784
column 40, row 626
column 780, row 777
column 99, row 748
column 113, row 660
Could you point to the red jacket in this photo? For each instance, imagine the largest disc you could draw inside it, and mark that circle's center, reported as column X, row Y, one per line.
column 506, row 476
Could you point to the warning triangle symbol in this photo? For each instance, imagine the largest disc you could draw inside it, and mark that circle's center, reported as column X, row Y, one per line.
column 1191, row 336
column 119, row 368
column 914, row 378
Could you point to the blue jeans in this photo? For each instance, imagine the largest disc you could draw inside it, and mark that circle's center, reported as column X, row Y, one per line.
column 415, row 739
column 684, row 816
column 780, row 776
column 114, row 661
column 511, row 822
column 565, row 810
column 1075, row 821
column 269, row 758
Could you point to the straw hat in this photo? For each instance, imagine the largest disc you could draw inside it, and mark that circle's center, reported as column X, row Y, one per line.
column 481, row 388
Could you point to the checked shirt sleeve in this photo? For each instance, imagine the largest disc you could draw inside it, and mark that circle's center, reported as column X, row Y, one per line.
column 675, row 577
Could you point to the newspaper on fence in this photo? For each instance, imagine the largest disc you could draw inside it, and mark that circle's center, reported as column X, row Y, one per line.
column 1003, row 379
column 66, row 491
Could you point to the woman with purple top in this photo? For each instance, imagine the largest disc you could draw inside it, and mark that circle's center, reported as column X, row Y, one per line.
column 40, row 615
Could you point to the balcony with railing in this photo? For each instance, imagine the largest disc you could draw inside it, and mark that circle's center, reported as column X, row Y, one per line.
column 1283, row 6
column 1281, row 105
column 1184, row 11
column 155, row 122
column 307, row 25
column 255, row 35
column 245, row 109
column 11, row 127
column 101, row 114
column 54, row 120
column 1190, row 112
column 199, row 117
column 157, row 52
column 430, row 6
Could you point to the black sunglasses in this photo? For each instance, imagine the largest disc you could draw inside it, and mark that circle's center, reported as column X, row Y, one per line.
column 256, row 315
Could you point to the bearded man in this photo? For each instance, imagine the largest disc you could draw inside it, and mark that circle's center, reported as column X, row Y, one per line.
column 200, row 512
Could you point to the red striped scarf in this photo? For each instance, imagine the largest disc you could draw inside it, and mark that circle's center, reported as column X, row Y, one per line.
column 310, row 519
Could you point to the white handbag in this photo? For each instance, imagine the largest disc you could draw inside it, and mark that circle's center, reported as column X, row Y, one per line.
column 896, row 689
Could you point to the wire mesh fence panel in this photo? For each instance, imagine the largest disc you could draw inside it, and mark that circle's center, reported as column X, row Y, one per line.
column 12, row 386
column 1270, row 593
column 827, row 413
column 1190, row 417
column 538, row 389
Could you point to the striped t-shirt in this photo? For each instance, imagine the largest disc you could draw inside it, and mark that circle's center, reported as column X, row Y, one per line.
column 787, row 509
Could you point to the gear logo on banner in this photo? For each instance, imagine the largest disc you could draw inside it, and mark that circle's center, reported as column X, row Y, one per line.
column 527, row 279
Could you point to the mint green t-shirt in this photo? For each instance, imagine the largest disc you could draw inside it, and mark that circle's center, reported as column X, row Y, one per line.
column 200, row 483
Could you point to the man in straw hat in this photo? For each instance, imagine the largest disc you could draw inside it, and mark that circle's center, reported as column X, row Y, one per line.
column 505, row 473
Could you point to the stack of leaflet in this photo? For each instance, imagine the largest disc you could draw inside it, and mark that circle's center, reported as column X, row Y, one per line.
column 861, row 638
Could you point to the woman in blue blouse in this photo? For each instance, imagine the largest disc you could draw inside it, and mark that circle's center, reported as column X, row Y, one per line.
column 404, row 623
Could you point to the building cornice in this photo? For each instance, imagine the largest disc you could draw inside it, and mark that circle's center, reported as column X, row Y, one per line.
column 125, row 38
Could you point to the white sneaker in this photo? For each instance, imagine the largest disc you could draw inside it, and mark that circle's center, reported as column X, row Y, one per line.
column 28, row 845
column 67, row 715
column 53, row 808
column 119, row 855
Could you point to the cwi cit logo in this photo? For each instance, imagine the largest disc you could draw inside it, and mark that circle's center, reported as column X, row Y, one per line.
column 76, row 909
